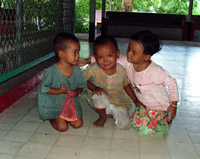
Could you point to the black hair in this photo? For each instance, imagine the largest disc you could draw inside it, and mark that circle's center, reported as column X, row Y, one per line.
column 150, row 42
column 61, row 41
column 104, row 39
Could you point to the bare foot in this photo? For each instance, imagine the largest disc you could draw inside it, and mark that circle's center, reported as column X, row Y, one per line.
column 96, row 123
column 100, row 122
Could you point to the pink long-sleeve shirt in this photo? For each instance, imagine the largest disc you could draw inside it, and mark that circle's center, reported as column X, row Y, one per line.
column 154, row 87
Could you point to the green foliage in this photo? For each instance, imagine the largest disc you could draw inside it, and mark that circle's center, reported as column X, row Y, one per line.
column 82, row 16
column 41, row 14
column 165, row 6
column 150, row 6
column 83, row 12
column 7, row 4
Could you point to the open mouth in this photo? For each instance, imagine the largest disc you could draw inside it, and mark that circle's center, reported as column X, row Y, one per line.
column 106, row 65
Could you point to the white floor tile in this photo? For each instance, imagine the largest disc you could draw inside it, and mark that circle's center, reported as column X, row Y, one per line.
column 46, row 128
column 13, row 117
column 27, row 126
column 153, row 147
column 195, row 138
column 125, row 145
column 63, row 152
column 125, row 134
column 100, row 132
column 92, row 153
column 6, row 125
column 29, row 157
column 3, row 133
column 9, row 147
column 184, row 156
column 6, row 156
column 34, row 150
column 97, row 143
column 124, row 155
column 42, row 138
column 70, row 141
column 181, row 148
column 179, row 137
column 197, row 146
column 18, row 136
column 152, row 138
column 154, row 156
column 80, row 131
column 31, row 118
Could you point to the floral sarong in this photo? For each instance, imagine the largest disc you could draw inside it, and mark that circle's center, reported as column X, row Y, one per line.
column 148, row 121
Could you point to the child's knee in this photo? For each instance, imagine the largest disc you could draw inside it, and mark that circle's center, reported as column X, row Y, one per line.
column 59, row 125
column 77, row 124
column 62, row 128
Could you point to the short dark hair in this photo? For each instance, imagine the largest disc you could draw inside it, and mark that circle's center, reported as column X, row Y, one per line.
column 104, row 39
column 150, row 42
column 61, row 40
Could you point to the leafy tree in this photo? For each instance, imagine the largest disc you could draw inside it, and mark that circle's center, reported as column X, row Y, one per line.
column 150, row 6
column 127, row 5
column 82, row 16
column 165, row 6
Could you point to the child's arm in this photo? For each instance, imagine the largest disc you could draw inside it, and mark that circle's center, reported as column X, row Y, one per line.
column 74, row 93
column 55, row 91
column 172, row 110
column 130, row 92
column 63, row 90
column 95, row 89
column 84, row 62
column 165, row 79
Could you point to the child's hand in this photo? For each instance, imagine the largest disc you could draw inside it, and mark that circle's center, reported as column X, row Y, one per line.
column 83, row 62
column 72, row 94
column 99, row 91
column 172, row 110
column 138, row 104
column 63, row 90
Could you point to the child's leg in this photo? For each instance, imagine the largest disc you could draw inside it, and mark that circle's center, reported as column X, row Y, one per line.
column 102, row 118
column 77, row 124
column 122, row 118
column 59, row 124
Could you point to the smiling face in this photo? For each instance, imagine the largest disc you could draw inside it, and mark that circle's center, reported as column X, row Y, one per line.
column 106, row 56
column 71, row 54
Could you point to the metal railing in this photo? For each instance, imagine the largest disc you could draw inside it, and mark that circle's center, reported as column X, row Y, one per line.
column 27, row 30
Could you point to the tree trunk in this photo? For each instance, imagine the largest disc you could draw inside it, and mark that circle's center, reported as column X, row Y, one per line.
column 110, row 4
column 113, row 7
column 127, row 5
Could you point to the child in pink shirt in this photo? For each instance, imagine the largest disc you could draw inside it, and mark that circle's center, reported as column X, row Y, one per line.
column 153, row 86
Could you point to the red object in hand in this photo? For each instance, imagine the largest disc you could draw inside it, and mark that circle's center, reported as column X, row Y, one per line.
column 68, row 111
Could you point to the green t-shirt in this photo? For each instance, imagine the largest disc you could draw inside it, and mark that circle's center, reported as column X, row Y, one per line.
column 50, row 105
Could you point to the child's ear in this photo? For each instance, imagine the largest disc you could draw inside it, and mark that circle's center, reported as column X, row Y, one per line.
column 118, row 53
column 59, row 53
column 147, row 57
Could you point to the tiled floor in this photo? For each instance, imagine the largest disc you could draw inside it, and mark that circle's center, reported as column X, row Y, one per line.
column 24, row 136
